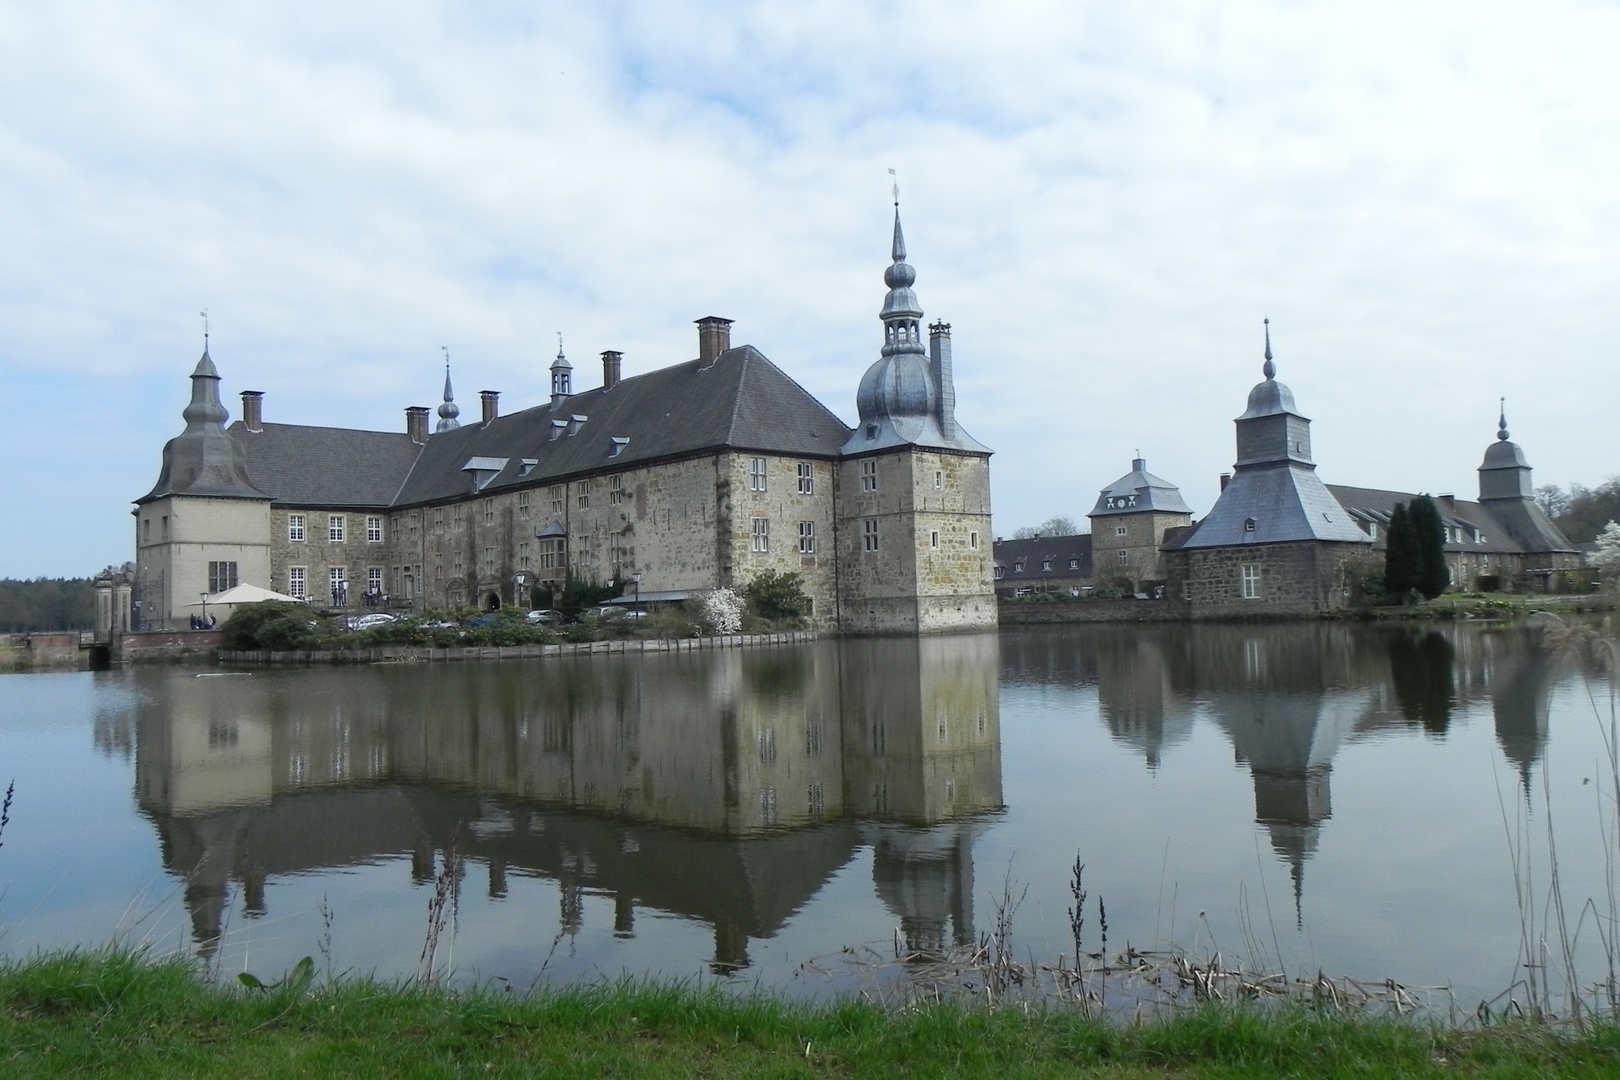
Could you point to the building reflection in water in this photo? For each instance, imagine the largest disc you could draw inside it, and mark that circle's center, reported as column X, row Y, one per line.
column 1289, row 696
column 724, row 786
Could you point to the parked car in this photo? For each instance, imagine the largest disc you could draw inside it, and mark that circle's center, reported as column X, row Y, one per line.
column 481, row 620
column 366, row 622
column 544, row 617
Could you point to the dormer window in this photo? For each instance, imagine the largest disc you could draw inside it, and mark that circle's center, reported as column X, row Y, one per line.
column 1046, row 565
column 526, row 465
column 617, row 446
column 557, row 428
column 1018, row 567
column 575, row 422
column 1248, row 524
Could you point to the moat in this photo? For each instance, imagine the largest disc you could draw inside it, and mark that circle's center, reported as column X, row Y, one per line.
column 1350, row 797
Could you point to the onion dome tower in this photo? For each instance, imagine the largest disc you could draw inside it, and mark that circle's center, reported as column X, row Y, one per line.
column 1508, row 492
column 203, row 459
column 562, row 376
column 448, row 411
column 908, row 397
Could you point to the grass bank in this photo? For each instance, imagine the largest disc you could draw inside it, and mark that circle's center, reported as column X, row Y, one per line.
column 112, row 1014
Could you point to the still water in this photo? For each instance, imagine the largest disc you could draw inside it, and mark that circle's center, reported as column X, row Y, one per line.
column 1350, row 799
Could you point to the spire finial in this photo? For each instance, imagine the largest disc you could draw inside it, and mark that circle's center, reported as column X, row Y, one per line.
column 1269, row 368
column 1501, row 421
column 204, row 314
column 559, row 345
column 896, row 189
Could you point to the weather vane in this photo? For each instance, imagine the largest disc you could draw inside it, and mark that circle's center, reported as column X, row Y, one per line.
column 896, row 187
column 204, row 314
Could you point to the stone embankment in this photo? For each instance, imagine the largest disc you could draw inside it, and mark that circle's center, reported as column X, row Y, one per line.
column 1091, row 611
column 404, row 654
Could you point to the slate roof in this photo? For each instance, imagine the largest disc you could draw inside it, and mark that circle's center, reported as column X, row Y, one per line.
column 1138, row 492
column 742, row 402
column 1498, row 530
column 325, row 466
column 1034, row 553
column 1284, row 502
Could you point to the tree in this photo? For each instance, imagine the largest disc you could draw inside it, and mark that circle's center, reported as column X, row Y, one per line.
column 1053, row 526
column 1608, row 552
column 1433, row 573
column 1589, row 509
column 1402, row 557
column 777, row 595
column 1553, row 500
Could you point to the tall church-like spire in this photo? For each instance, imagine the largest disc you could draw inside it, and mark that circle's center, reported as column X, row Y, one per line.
column 448, row 411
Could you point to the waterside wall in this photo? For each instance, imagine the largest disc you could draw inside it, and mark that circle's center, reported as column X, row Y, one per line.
column 397, row 654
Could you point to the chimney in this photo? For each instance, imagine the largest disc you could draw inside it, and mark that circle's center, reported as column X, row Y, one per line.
column 939, row 366
column 416, row 418
column 253, row 410
column 1448, row 501
column 714, row 338
column 612, row 365
column 492, row 404
column 1226, row 478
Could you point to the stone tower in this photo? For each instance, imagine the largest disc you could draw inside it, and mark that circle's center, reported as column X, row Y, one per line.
column 913, row 497
column 1128, row 526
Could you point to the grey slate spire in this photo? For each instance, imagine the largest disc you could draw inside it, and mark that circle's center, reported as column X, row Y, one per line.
column 900, row 397
column 448, row 411
column 204, row 459
column 1508, row 492
column 1275, row 494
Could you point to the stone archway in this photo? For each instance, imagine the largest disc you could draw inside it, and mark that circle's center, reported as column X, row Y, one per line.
column 492, row 602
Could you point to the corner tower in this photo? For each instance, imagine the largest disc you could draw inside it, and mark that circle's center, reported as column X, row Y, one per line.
column 205, row 526
column 1507, row 492
column 914, row 488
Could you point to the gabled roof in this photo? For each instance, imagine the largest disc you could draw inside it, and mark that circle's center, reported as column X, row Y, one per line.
column 324, row 466
column 1498, row 529
column 1035, row 551
column 741, row 402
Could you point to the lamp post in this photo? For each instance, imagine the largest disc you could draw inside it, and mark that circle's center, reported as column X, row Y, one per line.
column 636, row 578
column 204, row 598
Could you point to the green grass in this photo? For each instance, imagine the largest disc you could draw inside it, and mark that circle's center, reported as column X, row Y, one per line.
column 114, row 1014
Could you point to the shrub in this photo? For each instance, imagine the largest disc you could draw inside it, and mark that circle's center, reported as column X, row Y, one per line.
column 722, row 612
column 777, row 596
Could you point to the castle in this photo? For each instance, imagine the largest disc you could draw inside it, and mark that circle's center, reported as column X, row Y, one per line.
column 662, row 486
column 1279, row 542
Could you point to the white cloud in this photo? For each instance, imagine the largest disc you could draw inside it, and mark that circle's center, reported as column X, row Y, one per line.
column 1102, row 198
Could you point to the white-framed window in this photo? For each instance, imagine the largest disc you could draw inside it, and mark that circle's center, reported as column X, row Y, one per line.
column 297, row 581
column 221, row 576
column 1074, row 564
column 1122, row 530
column 933, row 541
column 1018, row 567
column 807, row 538
column 295, row 528
column 337, row 579
column 584, row 490
column 523, row 555
column 1001, row 571
column 1251, row 581
column 616, row 492
column 1046, row 564
column 869, row 534
column 807, row 478
column 457, row 514
column 939, row 480
column 374, row 580
column 374, row 533
column 1122, row 556
column 869, row 475
column 334, row 528
column 523, row 504
column 756, row 474
column 489, row 511
column 761, row 539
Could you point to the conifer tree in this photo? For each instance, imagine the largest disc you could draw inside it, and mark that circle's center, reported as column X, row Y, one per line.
column 1402, row 558
column 1433, row 573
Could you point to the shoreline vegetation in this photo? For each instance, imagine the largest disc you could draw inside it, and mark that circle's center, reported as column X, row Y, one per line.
column 114, row 1012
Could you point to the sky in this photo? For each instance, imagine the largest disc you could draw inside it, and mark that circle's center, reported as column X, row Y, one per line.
column 1104, row 199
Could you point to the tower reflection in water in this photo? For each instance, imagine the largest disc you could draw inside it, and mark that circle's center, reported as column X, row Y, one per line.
column 724, row 786
column 1288, row 697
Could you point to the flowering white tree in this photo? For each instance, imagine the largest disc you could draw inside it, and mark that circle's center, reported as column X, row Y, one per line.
column 723, row 611
column 1608, row 551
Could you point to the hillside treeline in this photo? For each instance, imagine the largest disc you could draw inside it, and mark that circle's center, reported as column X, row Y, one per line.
column 46, row 604
column 1580, row 511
